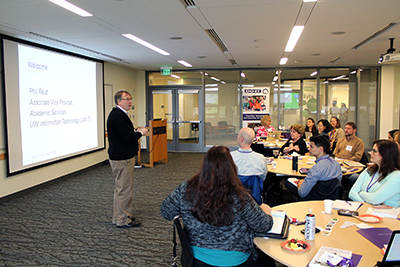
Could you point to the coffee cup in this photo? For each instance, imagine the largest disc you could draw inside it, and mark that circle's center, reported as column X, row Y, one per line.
column 328, row 204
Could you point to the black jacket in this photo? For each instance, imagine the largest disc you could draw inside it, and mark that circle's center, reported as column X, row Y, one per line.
column 122, row 138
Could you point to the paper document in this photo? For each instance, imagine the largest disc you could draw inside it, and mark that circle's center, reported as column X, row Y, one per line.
column 388, row 213
column 315, row 262
column 346, row 205
column 294, row 181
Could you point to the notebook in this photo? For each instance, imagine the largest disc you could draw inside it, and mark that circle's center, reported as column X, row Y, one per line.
column 275, row 135
column 346, row 205
column 392, row 255
column 351, row 163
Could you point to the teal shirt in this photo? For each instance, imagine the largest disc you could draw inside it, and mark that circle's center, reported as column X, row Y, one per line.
column 217, row 257
column 367, row 189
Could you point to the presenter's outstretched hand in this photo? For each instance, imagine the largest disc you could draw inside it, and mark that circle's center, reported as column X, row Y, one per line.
column 143, row 130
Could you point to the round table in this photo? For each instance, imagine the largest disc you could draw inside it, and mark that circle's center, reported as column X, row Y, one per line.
column 284, row 166
column 347, row 238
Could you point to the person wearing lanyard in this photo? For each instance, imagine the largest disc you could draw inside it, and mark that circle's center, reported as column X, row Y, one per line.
column 325, row 169
column 380, row 182
column 247, row 161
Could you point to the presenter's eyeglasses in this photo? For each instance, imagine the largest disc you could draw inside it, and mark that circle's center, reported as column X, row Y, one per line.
column 127, row 99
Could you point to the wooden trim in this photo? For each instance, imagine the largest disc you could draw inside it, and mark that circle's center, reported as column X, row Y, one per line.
column 3, row 156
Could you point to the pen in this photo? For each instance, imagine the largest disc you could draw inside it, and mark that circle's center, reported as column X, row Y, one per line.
column 348, row 203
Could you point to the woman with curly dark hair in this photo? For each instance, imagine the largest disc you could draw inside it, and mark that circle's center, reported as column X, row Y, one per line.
column 310, row 127
column 219, row 215
column 380, row 182
column 324, row 127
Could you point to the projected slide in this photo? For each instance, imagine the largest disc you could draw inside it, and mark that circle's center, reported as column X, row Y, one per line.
column 57, row 104
column 54, row 105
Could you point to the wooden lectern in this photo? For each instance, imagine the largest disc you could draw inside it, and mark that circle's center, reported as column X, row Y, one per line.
column 157, row 142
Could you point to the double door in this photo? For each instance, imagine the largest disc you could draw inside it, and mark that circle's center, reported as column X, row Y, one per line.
column 180, row 106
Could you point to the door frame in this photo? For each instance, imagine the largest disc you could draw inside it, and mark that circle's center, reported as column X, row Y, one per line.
column 175, row 145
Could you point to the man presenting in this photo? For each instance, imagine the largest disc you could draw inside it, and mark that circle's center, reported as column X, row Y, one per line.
column 249, row 163
column 350, row 147
column 325, row 169
column 123, row 147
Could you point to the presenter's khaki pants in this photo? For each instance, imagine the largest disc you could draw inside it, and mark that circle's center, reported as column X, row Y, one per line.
column 123, row 194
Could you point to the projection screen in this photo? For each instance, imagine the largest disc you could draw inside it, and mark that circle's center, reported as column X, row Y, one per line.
column 54, row 104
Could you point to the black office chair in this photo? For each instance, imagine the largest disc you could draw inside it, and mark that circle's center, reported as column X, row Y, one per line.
column 259, row 148
column 364, row 159
column 330, row 189
column 187, row 258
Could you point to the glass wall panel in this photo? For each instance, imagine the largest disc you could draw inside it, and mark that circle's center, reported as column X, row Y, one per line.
column 176, row 78
column 366, row 126
column 309, row 103
column 335, row 94
column 162, row 109
column 222, row 113
column 298, row 96
column 349, row 94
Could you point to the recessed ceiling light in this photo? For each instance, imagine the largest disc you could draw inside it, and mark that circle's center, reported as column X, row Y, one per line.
column 338, row 33
column 283, row 61
column 176, row 38
column 294, row 37
column 67, row 5
column 146, row 44
column 184, row 63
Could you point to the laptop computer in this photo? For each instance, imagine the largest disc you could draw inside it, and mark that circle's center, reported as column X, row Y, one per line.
column 275, row 135
column 392, row 253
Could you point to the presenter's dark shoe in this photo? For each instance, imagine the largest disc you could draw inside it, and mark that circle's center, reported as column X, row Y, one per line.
column 132, row 224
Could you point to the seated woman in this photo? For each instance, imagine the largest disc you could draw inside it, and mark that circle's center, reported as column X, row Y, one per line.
column 265, row 127
column 380, row 182
column 295, row 143
column 336, row 133
column 310, row 127
column 219, row 215
column 324, row 127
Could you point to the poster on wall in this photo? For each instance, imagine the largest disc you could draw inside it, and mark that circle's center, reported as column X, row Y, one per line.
column 255, row 105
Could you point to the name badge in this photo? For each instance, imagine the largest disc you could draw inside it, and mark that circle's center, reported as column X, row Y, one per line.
column 349, row 148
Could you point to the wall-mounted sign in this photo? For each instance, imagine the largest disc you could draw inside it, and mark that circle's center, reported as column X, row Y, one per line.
column 166, row 71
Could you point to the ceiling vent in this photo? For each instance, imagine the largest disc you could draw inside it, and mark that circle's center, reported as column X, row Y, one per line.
column 214, row 36
column 232, row 61
column 188, row 2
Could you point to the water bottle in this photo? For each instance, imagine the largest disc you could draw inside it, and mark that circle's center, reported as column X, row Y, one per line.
column 295, row 163
column 309, row 231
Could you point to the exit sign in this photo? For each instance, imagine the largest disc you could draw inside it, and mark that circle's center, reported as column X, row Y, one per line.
column 166, row 71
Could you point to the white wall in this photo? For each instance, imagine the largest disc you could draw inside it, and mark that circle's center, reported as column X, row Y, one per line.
column 389, row 105
column 120, row 78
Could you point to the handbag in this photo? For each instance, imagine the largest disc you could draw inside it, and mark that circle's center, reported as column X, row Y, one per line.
column 186, row 255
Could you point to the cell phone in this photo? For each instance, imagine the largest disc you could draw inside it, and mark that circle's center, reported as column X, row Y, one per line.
column 347, row 213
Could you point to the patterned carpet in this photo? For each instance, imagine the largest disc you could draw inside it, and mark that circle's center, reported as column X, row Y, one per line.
column 68, row 222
